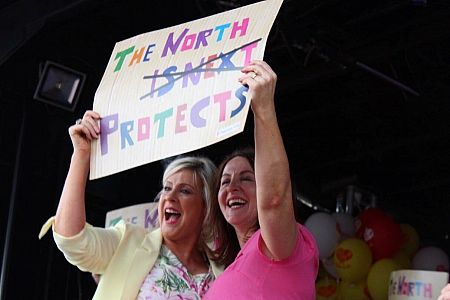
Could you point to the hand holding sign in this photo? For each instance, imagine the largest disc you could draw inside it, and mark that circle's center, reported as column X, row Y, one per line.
column 261, row 80
column 84, row 131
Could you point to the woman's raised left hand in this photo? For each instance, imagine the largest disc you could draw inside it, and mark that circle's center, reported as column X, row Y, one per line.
column 261, row 80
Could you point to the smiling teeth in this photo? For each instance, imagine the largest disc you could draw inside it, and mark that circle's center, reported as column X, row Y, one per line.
column 171, row 215
column 233, row 202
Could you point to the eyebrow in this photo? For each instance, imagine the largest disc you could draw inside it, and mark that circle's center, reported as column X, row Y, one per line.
column 182, row 184
column 242, row 173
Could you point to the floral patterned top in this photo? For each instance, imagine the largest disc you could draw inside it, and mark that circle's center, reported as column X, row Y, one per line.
column 169, row 279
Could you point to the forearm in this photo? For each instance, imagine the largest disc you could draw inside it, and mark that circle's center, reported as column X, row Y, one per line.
column 70, row 216
column 273, row 181
column 91, row 249
column 271, row 162
column 274, row 192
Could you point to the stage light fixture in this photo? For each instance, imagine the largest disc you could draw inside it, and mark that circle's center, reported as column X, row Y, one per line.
column 59, row 86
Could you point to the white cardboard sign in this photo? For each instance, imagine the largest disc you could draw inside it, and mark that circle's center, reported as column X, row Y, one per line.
column 176, row 90
column 416, row 285
column 145, row 215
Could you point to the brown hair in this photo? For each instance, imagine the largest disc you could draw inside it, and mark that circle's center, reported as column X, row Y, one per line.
column 227, row 244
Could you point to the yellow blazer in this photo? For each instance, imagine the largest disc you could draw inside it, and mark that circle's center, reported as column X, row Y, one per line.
column 123, row 255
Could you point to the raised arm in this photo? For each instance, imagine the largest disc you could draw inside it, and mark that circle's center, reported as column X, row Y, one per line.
column 273, row 182
column 70, row 216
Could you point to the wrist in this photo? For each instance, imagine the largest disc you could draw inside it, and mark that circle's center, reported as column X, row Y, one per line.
column 81, row 155
column 264, row 113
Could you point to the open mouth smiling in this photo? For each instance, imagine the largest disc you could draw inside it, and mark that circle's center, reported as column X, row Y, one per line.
column 171, row 215
column 236, row 203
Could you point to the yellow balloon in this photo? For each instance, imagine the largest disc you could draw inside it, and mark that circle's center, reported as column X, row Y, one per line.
column 402, row 259
column 411, row 243
column 326, row 289
column 352, row 259
column 353, row 291
column 379, row 276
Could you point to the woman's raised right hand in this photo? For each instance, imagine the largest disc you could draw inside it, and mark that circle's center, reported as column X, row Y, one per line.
column 84, row 131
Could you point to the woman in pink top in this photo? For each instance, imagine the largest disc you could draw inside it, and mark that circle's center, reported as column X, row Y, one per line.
column 268, row 254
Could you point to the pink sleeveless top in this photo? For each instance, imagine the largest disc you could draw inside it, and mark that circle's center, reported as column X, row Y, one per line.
column 254, row 276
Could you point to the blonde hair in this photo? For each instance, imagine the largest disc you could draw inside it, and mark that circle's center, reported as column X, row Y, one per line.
column 205, row 170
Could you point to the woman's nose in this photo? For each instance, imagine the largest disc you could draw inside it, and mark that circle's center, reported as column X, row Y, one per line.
column 169, row 196
column 234, row 183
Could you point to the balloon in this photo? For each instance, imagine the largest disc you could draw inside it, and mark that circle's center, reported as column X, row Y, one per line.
column 328, row 265
column 346, row 224
column 366, row 216
column 323, row 228
column 402, row 259
column 431, row 259
column 352, row 259
column 353, row 291
column 411, row 240
column 322, row 273
column 326, row 288
column 384, row 237
column 379, row 276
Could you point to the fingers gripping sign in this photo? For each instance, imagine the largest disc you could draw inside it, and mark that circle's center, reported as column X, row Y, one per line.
column 84, row 131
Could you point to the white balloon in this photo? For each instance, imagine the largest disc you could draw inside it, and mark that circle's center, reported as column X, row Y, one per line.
column 346, row 224
column 328, row 264
column 323, row 228
column 431, row 259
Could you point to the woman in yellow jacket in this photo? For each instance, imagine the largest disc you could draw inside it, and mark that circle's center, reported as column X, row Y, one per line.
column 171, row 262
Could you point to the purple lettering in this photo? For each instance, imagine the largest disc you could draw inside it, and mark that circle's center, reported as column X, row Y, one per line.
column 150, row 221
column 201, row 39
column 193, row 76
column 108, row 125
column 196, row 120
column 171, row 45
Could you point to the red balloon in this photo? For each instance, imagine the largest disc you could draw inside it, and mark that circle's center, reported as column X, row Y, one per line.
column 365, row 217
column 384, row 237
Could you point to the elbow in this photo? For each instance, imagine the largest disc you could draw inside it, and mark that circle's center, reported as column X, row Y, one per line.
column 278, row 196
column 65, row 229
column 273, row 202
